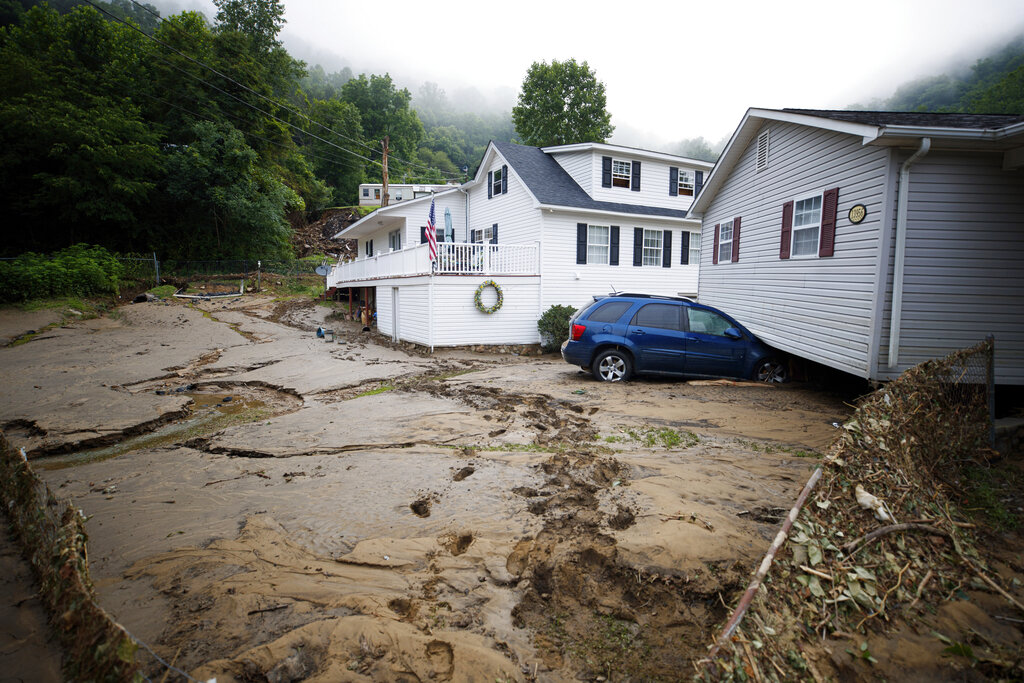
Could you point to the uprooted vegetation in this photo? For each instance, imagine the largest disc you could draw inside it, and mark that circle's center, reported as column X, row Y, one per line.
column 893, row 567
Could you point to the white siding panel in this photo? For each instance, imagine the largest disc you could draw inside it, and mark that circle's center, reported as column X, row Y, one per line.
column 580, row 167
column 654, row 177
column 457, row 321
column 817, row 308
column 965, row 241
column 518, row 221
column 567, row 283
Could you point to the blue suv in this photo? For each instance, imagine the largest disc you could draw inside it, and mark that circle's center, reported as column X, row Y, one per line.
column 623, row 334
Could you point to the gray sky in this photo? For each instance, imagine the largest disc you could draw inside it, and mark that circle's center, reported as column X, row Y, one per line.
column 672, row 70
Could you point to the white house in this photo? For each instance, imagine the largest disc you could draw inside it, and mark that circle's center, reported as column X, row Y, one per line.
column 870, row 241
column 549, row 226
column 370, row 193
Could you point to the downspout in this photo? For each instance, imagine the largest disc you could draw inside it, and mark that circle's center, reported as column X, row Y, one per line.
column 902, row 199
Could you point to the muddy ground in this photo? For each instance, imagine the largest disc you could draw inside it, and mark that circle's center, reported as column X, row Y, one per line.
column 267, row 505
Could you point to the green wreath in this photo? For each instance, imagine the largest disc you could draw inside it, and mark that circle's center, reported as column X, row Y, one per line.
column 480, row 290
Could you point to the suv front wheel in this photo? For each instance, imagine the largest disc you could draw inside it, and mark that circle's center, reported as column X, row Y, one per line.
column 612, row 366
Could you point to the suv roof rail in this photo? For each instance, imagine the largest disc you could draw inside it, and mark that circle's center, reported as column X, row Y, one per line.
column 653, row 296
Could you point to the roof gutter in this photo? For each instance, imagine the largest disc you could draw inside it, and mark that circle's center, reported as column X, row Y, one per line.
column 901, row 250
column 605, row 212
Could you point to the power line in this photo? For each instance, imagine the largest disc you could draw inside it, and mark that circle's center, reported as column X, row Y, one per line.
column 241, row 85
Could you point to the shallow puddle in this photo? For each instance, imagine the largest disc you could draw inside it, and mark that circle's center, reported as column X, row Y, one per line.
column 208, row 413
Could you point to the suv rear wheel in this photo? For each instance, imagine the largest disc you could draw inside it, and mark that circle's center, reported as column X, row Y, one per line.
column 612, row 366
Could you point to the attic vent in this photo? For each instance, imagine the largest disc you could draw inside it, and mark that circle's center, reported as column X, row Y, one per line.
column 762, row 150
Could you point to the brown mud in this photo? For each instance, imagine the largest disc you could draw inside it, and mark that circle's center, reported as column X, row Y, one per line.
column 368, row 514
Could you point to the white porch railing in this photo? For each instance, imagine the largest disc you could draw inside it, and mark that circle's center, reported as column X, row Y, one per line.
column 453, row 258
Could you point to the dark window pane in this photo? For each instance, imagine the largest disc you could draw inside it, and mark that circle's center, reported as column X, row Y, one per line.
column 609, row 312
column 706, row 322
column 664, row 316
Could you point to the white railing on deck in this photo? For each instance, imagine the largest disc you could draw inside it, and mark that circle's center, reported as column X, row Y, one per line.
column 453, row 258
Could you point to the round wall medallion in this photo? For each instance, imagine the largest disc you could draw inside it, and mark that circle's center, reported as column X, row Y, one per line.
column 857, row 213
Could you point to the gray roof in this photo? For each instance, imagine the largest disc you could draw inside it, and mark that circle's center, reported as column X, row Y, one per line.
column 913, row 118
column 551, row 185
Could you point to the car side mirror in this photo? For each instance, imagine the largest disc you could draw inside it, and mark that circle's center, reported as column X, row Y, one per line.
column 733, row 333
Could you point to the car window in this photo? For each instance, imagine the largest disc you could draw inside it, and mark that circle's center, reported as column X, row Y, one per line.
column 664, row 316
column 609, row 312
column 706, row 322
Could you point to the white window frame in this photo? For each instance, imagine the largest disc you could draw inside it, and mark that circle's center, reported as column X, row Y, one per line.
column 816, row 226
column 594, row 242
column 686, row 183
column 618, row 176
column 654, row 242
column 763, row 149
column 723, row 243
column 484, row 235
column 395, row 240
column 496, row 181
column 366, row 192
column 694, row 249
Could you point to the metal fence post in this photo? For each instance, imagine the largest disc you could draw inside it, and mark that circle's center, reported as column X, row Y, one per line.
column 990, row 386
column 156, row 267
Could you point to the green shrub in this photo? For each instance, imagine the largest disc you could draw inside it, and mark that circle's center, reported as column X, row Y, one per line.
column 554, row 326
column 81, row 270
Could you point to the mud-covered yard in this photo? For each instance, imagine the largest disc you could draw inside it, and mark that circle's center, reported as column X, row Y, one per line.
column 267, row 505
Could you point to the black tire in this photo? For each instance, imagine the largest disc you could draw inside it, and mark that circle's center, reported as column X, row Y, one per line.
column 770, row 370
column 612, row 366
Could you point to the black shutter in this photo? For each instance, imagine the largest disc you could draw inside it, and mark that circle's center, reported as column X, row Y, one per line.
column 613, row 247
column 673, row 181
column 490, row 183
column 370, row 247
column 714, row 254
column 636, row 177
column 494, row 234
column 581, row 243
column 504, row 179
column 606, row 171
column 423, row 234
column 666, row 249
column 684, row 248
column 638, row 246
column 698, row 182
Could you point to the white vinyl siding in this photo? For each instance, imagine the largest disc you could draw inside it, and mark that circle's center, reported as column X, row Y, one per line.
column 518, row 221
column 962, row 270
column 820, row 308
column 564, row 282
column 580, row 167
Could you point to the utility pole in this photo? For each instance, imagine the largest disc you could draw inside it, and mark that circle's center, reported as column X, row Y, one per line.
column 384, row 163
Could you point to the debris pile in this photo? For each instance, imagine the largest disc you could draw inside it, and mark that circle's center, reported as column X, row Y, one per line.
column 885, row 573
column 316, row 237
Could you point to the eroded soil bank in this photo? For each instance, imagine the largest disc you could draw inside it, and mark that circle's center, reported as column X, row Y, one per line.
column 354, row 512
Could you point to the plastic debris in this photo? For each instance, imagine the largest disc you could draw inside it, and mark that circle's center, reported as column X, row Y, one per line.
column 872, row 503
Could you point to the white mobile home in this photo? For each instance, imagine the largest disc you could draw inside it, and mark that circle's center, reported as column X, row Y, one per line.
column 547, row 226
column 870, row 241
column 370, row 194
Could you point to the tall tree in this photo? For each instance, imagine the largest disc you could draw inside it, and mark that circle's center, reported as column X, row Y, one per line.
column 261, row 20
column 561, row 103
column 384, row 111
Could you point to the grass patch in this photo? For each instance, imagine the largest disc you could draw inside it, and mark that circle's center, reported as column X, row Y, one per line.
column 163, row 291
column 373, row 392
column 986, row 491
column 770, row 448
column 666, row 437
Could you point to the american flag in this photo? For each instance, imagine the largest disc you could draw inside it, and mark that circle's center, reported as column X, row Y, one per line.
column 431, row 233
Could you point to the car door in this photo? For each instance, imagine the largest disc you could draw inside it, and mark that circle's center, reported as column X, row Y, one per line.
column 708, row 350
column 659, row 342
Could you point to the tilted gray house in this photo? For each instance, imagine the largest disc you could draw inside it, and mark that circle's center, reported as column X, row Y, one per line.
column 870, row 241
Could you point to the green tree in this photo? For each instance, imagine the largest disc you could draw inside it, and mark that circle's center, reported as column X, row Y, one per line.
column 225, row 202
column 384, row 111
column 340, row 170
column 260, row 20
column 561, row 103
column 78, row 162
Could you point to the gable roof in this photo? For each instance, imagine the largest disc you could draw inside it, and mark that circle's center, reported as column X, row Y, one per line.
column 994, row 132
column 383, row 216
column 553, row 187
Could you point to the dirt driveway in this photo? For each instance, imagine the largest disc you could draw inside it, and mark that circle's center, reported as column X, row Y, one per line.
column 266, row 505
